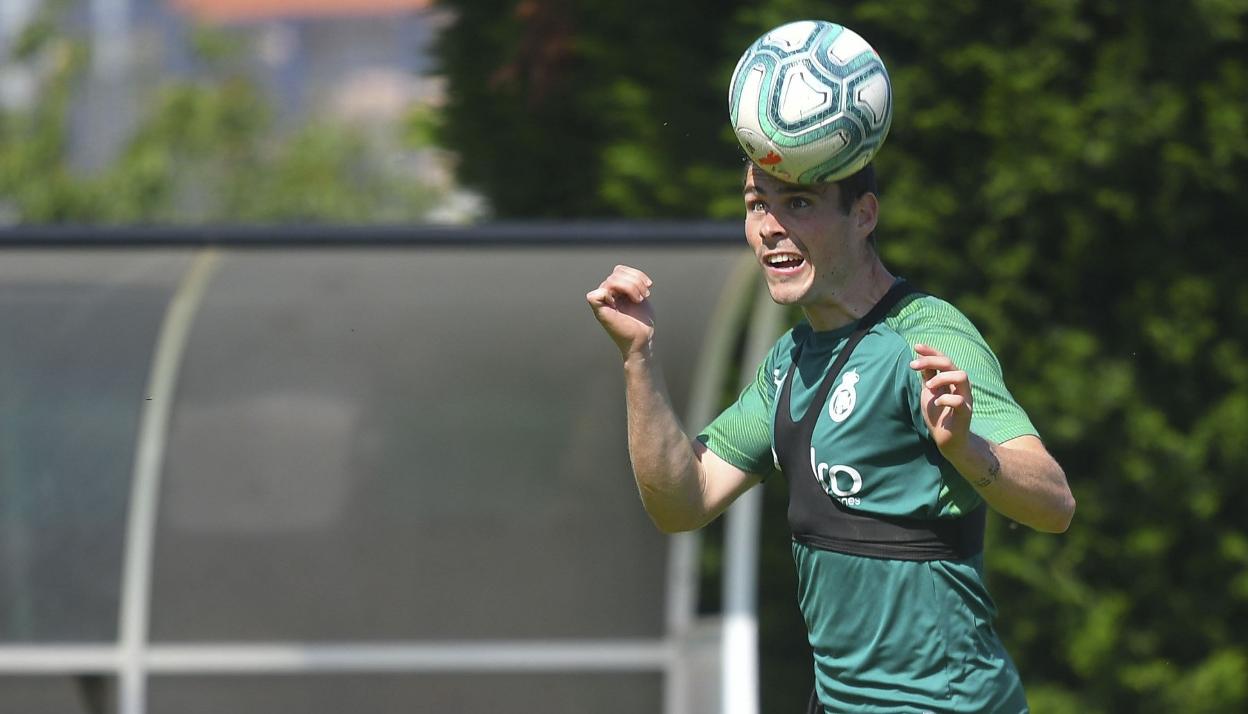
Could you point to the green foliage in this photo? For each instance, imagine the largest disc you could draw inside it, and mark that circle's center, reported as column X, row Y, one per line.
column 204, row 150
column 1070, row 173
column 562, row 109
column 1094, row 243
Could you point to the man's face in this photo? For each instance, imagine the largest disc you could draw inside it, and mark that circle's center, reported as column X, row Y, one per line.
column 806, row 245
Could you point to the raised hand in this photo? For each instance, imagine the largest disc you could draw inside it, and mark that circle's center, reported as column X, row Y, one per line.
column 946, row 398
column 621, row 304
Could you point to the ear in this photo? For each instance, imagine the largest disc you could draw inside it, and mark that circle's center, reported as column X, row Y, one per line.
column 866, row 214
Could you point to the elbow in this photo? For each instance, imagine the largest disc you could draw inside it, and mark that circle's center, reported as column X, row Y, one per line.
column 1068, row 513
column 1060, row 518
column 673, row 513
column 671, row 524
column 673, row 528
column 1062, row 509
column 671, row 518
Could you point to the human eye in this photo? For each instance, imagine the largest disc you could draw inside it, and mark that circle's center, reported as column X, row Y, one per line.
column 799, row 202
column 755, row 205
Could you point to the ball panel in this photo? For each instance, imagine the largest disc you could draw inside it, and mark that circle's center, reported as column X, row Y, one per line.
column 847, row 48
column 835, row 171
column 841, row 140
column 871, row 99
column 791, row 38
column 750, row 126
column 804, row 98
column 760, row 150
column 748, row 102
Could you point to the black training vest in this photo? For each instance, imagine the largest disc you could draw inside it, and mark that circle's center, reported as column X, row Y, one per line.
column 819, row 520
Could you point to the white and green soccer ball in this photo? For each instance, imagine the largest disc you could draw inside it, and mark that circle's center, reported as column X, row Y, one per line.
column 810, row 102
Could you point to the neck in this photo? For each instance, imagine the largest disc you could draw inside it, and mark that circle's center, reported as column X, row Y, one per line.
column 853, row 300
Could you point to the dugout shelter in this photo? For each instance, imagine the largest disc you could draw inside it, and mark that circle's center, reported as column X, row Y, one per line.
column 367, row 470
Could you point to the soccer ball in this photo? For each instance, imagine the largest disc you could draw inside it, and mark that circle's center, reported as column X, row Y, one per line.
column 810, row 102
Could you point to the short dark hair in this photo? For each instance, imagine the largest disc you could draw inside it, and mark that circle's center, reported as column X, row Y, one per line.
column 855, row 186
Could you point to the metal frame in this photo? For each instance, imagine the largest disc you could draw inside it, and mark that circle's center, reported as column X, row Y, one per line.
column 294, row 657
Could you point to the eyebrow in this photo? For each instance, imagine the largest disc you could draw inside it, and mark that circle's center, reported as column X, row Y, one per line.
column 784, row 190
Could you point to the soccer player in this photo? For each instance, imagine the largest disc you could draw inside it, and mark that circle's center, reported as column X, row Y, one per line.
column 890, row 418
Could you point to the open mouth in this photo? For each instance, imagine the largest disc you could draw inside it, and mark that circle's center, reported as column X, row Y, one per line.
column 784, row 261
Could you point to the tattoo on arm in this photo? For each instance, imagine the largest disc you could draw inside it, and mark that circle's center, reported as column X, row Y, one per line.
column 994, row 470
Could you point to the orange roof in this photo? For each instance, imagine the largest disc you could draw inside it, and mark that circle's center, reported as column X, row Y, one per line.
column 245, row 10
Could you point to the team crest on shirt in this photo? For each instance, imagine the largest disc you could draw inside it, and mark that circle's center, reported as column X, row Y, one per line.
column 841, row 405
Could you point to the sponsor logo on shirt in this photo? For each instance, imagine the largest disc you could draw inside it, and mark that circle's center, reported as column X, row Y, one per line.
column 834, row 476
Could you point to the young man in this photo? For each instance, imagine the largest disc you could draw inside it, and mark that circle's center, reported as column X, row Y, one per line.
column 889, row 417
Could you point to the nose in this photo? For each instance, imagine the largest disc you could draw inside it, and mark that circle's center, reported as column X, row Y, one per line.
column 770, row 228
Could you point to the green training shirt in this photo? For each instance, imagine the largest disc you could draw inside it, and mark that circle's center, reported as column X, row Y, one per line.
column 887, row 635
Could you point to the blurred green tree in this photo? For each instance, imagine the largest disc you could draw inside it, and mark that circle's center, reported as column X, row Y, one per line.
column 562, row 109
column 1070, row 173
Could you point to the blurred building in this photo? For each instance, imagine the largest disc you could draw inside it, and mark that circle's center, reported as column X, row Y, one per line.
column 363, row 60
column 17, row 83
column 364, row 63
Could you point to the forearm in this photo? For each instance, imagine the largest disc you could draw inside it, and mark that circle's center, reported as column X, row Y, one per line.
column 1024, row 484
column 664, row 463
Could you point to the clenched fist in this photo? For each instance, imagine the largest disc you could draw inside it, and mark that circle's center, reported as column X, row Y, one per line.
column 621, row 304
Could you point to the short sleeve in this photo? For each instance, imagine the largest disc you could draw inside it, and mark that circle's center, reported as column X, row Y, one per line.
column 996, row 415
column 741, row 434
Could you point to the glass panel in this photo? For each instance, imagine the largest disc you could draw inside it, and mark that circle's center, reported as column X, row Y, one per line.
column 77, row 334
column 82, row 694
column 415, row 445
column 366, row 694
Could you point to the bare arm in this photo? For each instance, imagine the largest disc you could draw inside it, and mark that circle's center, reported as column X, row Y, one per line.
column 683, row 486
column 1018, row 478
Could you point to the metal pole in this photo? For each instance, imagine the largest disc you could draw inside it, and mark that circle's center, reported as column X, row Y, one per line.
column 714, row 363
column 136, row 583
column 739, row 682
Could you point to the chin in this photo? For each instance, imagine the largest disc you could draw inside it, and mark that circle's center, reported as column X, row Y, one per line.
column 785, row 295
